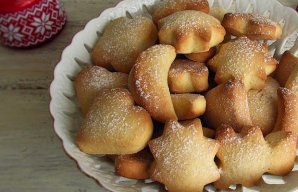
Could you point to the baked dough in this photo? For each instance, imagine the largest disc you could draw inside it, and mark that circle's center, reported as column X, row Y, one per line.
column 148, row 82
column 245, row 60
column 184, row 158
column 134, row 166
column 285, row 67
column 188, row 106
column 251, row 25
column 202, row 57
column 122, row 41
column 263, row 105
column 228, row 104
column 114, row 125
column 190, row 31
column 245, row 157
column 167, row 7
column 187, row 76
column 91, row 80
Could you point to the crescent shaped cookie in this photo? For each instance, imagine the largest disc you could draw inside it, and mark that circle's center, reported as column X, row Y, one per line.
column 114, row 125
column 253, row 26
column 187, row 76
column 184, row 158
column 287, row 118
column 227, row 103
column 92, row 79
column 148, row 82
column 285, row 67
column 122, row 41
column 190, row 31
column 188, row 106
column 167, row 7
column 245, row 157
column 134, row 166
column 245, row 60
column 263, row 105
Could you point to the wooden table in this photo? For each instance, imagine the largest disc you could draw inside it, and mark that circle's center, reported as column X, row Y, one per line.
column 31, row 155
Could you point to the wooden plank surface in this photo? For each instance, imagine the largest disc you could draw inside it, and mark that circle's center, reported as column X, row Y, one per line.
column 31, row 155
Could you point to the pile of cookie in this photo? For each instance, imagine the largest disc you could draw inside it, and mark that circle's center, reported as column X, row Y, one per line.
column 140, row 98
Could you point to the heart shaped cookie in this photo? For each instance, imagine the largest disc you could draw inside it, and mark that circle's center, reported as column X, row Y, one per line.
column 114, row 125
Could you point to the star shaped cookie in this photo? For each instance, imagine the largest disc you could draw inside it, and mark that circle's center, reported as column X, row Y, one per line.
column 184, row 158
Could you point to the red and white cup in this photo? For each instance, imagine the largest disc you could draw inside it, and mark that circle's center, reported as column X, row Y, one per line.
column 25, row 23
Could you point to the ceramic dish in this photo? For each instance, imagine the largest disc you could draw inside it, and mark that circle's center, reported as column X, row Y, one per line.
column 67, row 117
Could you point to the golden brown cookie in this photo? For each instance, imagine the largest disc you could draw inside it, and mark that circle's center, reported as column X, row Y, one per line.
column 184, row 158
column 218, row 12
column 188, row 106
column 114, row 125
column 287, row 118
column 252, row 25
column 134, row 166
column 263, row 105
column 202, row 57
column 92, row 79
column 122, row 41
column 190, row 31
column 187, row 76
column 245, row 60
column 292, row 82
column 227, row 103
column 245, row 157
column 285, row 67
column 167, row 7
column 207, row 132
column 148, row 82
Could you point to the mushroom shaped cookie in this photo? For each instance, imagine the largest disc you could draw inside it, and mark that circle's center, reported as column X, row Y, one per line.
column 148, row 82
column 190, row 31
column 114, row 125
column 184, row 158
column 187, row 76
column 245, row 157
column 252, row 25
column 287, row 118
column 122, row 41
column 134, row 166
column 245, row 60
column 263, row 105
column 188, row 106
column 287, row 64
column 167, row 7
column 92, row 79
column 227, row 103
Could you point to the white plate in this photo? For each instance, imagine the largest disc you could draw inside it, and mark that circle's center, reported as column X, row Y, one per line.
column 65, row 111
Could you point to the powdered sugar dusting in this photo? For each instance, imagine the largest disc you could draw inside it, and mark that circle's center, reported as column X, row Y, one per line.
column 186, row 66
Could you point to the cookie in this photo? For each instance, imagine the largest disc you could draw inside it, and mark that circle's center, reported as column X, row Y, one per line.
column 263, row 105
column 188, row 106
column 190, row 31
column 292, row 82
column 228, row 104
column 91, row 80
column 285, row 67
column 134, row 166
column 167, row 7
column 148, row 82
column 245, row 157
column 287, row 118
column 245, row 60
column 184, row 158
column 187, row 76
column 202, row 57
column 122, row 41
column 114, row 125
column 252, row 25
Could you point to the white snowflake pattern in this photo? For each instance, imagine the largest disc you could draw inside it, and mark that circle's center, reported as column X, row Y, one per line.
column 11, row 32
column 59, row 6
column 42, row 24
